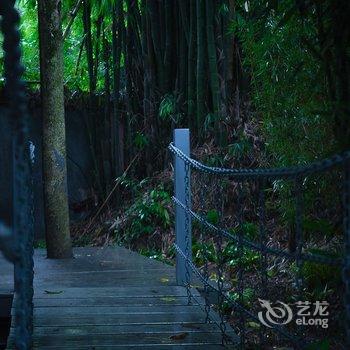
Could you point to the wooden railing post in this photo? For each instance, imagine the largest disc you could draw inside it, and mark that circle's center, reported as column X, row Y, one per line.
column 183, row 194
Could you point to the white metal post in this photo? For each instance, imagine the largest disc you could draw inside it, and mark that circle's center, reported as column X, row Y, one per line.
column 182, row 218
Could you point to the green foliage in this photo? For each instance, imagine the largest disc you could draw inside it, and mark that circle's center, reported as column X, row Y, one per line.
column 147, row 212
column 168, row 109
column 217, row 160
column 318, row 227
column 140, row 140
column 76, row 77
column 288, row 90
column 248, row 260
column 41, row 243
column 240, row 148
column 248, row 296
column 320, row 279
column 167, row 106
column 213, row 216
column 248, row 230
column 159, row 255
column 320, row 345
column 30, row 43
column 202, row 251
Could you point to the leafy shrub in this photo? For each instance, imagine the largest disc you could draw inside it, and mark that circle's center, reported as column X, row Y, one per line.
column 319, row 279
column 202, row 251
column 248, row 296
column 159, row 255
column 248, row 230
column 148, row 211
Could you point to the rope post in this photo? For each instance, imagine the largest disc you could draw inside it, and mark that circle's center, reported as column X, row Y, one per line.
column 182, row 218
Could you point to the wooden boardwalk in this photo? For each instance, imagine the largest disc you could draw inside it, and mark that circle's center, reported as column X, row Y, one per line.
column 112, row 298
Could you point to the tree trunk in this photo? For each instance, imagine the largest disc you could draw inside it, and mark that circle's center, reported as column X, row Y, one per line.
column 213, row 67
column 169, row 45
column 54, row 149
column 201, row 74
column 117, row 146
column 88, row 44
column 184, row 10
column 156, row 32
column 191, row 63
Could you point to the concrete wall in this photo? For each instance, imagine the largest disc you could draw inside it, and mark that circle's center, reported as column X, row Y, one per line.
column 79, row 167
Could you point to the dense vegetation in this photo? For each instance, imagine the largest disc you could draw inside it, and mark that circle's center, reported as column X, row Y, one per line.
column 259, row 83
column 213, row 66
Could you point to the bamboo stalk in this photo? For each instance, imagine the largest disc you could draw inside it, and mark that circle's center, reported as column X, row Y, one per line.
column 73, row 14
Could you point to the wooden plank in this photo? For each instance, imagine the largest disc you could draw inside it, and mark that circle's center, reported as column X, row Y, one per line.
column 129, row 339
column 110, row 301
column 125, row 329
column 127, row 291
column 108, row 279
column 111, row 298
column 81, row 311
column 165, row 318
column 93, row 258
column 188, row 346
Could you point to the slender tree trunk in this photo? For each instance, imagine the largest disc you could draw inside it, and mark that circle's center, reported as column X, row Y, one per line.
column 99, row 38
column 229, row 50
column 128, row 46
column 90, row 121
column 157, row 43
column 191, row 62
column 88, row 44
column 182, row 66
column 184, row 10
column 117, row 146
column 54, row 149
column 106, row 139
column 201, row 74
column 213, row 67
column 169, row 45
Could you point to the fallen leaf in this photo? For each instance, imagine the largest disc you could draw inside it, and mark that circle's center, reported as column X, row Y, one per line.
column 179, row 336
column 253, row 325
column 53, row 291
column 164, row 280
column 168, row 299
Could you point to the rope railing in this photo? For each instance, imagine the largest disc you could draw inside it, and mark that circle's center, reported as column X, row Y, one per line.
column 294, row 171
column 244, row 193
column 17, row 243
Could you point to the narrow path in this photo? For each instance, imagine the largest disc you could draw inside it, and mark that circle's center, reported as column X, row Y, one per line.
column 109, row 298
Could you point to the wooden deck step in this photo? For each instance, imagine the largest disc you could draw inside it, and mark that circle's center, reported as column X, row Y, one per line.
column 111, row 298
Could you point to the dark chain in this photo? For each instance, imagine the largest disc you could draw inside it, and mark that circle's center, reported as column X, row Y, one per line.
column 296, row 175
column 262, row 237
column 319, row 259
column 240, row 272
column 22, row 214
column 220, row 262
column 242, row 243
column 299, row 233
column 346, row 268
column 292, row 172
column 207, row 307
column 187, row 229
column 240, row 308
